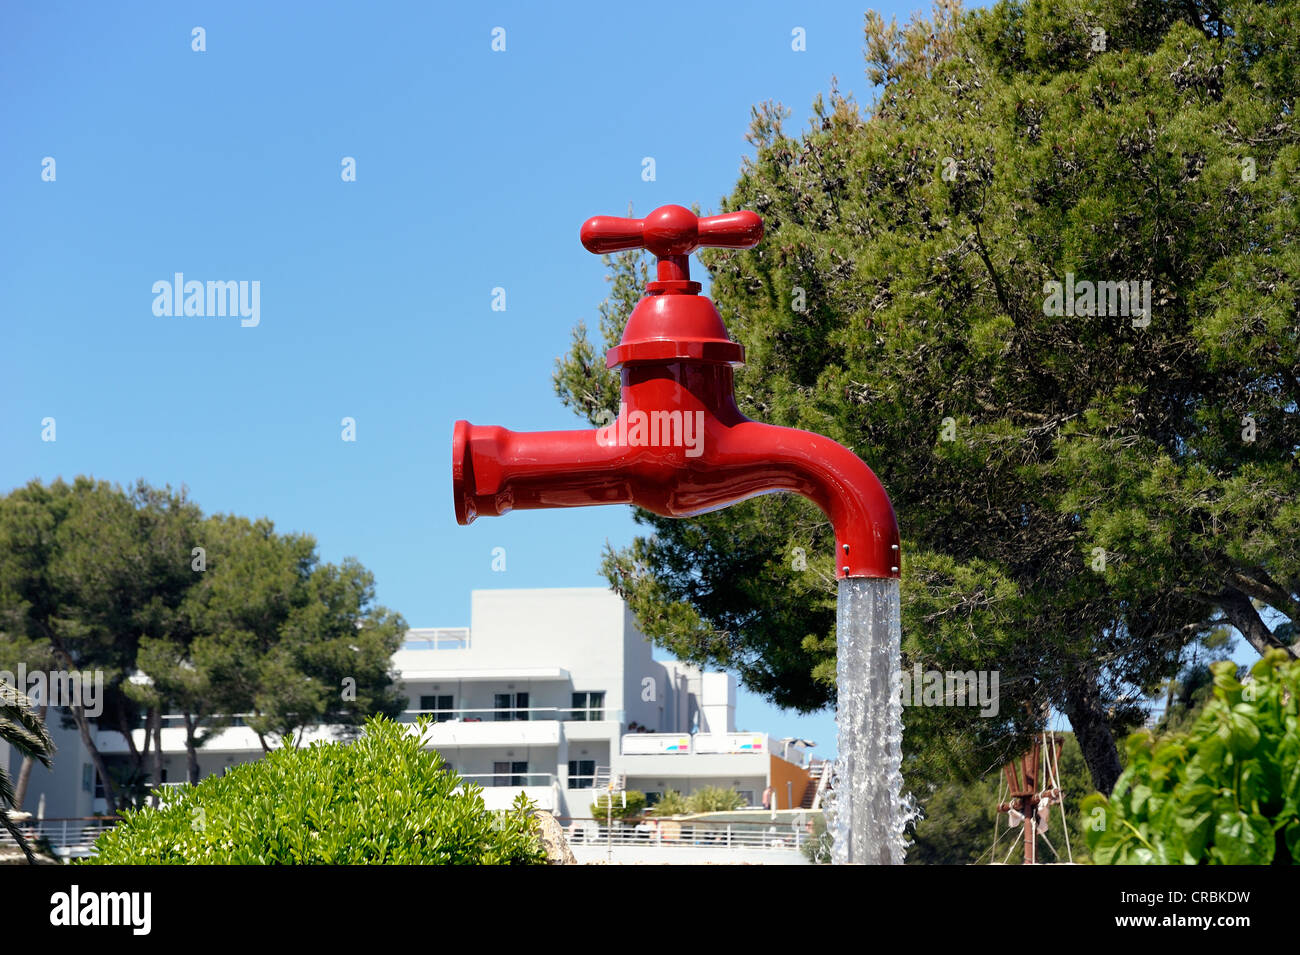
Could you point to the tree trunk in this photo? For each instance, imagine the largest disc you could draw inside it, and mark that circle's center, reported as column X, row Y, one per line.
column 191, row 751
column 155, row 727
column 1083, row 707
column 143, row 767
column 25, row 771
column 83, row 726
column 128, row 734
column 1243, row 615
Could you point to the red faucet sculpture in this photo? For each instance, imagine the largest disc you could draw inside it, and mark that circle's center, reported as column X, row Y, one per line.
column 679, row 446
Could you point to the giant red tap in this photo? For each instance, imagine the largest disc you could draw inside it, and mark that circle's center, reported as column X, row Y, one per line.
column 679, row 446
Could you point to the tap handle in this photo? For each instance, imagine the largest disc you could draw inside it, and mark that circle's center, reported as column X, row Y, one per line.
column 672, row 231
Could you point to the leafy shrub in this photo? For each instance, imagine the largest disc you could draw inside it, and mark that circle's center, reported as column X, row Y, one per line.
column 380, row 799
column 714, row 799
column 635, row 805
column 1225, row 792
column 671, row 803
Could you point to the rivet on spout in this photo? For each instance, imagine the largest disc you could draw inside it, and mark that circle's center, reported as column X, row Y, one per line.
column 846, row 548
column 893, row 547
column 893, row 570
column 845, row 568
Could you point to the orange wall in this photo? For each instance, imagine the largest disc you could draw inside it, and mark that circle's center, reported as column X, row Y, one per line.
column 783, row 771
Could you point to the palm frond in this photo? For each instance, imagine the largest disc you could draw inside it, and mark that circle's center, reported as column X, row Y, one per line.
column 6, row 789
column 21, row 726
column 16, row 833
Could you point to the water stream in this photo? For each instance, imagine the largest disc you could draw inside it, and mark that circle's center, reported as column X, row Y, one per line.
column 866, row 813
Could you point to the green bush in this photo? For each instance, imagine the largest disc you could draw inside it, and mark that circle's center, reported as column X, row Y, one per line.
column 671, row 803
column 714, row 799
column 635, row 805
column 1225, row 792
column 380, row 799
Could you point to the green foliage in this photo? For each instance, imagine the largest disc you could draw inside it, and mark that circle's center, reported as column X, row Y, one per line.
column 601, row 808
column 671, row 803
column 88, row 570
column 1227, row 792
column 380, row 799
column 222, row 614
column 714, row 799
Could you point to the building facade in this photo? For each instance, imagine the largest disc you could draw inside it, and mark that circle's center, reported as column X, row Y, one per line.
column 552, row 692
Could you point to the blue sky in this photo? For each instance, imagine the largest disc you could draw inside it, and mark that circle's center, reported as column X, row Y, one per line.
column 474, row 170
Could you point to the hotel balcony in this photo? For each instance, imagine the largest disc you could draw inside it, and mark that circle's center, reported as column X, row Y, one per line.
column 455, row 727
column 501, row 789
column 701, row 754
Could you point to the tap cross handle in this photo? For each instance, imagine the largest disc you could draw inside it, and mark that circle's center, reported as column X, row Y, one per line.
column 671, row 234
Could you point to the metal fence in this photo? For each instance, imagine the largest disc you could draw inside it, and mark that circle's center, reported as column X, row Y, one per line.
column 672, row 834
column 69, row 837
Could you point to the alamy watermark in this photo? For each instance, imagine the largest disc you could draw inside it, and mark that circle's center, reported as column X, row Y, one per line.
column 195, row 299
column 59, row 688
column 950, row 688
column 1129, row 299
column 652, row 429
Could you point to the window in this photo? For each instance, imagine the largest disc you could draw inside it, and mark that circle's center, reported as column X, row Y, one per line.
column 438, row 706
column 87, row 774
column 582, row 773
column 651, row 798
column 588, row 706
column 510, row 706
column 509, row 773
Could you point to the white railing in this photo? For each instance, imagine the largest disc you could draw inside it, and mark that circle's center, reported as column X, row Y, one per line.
column 671, row 834
column 177, row 721
column 74, row 836
column 586, row 714
column 603, row 779
column 823, row 783
column 507, row 714
column 437, row 638
column 487, row 780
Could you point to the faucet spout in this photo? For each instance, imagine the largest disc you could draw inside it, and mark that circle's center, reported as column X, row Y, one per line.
column 678, row 448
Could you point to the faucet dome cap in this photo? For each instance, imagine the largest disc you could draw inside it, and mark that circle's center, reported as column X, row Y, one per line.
column 674, row 327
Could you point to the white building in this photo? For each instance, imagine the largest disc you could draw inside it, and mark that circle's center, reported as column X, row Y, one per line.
column 549, row 692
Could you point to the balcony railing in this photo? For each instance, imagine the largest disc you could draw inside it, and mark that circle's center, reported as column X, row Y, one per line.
column 671, row 834
column 588, row 714
column 487, row 780
column 502, row 714
column 177, row 721
column 70, row 837
column 441, row 638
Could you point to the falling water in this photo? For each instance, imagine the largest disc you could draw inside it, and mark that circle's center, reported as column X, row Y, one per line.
column 867, row 814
